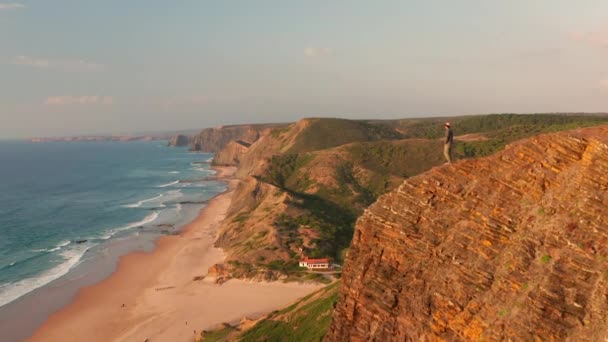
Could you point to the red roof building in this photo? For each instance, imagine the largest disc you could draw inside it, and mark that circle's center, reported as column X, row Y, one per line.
column 315, row 263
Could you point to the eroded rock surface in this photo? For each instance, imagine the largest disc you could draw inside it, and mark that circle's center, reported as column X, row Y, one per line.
column 509, row 247
column 231, row 154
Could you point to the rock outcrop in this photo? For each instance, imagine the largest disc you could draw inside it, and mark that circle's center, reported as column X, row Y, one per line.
column 216, row 138
column 510, row 247
column 179, row 140
column 231, row 154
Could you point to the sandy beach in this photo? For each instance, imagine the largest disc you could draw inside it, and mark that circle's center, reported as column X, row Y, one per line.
column 153, row 296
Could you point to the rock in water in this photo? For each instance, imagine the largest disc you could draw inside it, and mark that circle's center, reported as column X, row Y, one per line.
column 509, row 247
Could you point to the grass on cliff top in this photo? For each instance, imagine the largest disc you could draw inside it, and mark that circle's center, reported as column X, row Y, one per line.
column 432, row 128
column 332, row 211
column 328, row 132
column 306, row 320
column 219, row 334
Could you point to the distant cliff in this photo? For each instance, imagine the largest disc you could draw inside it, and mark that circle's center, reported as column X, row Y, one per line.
column 216, row 138
column 89, row 138
column 179, row 140
column 508, row 247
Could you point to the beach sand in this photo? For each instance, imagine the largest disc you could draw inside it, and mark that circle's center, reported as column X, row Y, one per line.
column 154, row 295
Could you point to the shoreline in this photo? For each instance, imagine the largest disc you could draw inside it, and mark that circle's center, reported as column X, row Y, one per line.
column 153, row 295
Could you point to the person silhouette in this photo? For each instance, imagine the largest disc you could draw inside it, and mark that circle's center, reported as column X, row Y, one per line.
column 447, row 143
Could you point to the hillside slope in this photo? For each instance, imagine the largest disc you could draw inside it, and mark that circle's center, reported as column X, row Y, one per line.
column 216, row 138
column 508, row 247
column 290, row 204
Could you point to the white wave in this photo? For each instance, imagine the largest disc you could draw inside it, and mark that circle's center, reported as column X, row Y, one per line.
column 174, row 172
column 202, row 169
column 64, row 243
column 209, row 160
column 140, row 203
column 169, row 184
column 11, row 291
column 106, row 236
column 151, row 217
column 53, row 249
column 178, row 207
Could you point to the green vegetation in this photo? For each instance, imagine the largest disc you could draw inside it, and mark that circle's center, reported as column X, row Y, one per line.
column 326, row 133
column 334, row 223
column 332, row 211
column 404, row 158
column 218, row 335
column 275, row 133
column 282, row 167
column 526, row 124
column 306, row 320
column 545, row 259
column 242, row 217
column 505, row 312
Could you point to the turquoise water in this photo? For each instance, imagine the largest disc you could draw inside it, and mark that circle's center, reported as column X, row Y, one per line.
column 60, row 201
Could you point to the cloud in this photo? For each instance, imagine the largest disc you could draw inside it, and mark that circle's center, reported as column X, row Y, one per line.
column 78, row 100
column 67, row 64
column 313, row 52
column 10, row 6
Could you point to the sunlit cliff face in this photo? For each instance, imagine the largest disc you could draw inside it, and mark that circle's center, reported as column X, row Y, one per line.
column 512, row 246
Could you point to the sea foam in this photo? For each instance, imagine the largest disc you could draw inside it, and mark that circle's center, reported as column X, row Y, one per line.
column 169, row 184
column 140, row 203
column 71, row 256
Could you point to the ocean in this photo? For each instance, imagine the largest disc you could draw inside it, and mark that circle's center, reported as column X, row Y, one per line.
column 65, row 205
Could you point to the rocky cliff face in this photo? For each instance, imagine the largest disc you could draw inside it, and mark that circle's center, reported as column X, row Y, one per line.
column 179, row 140
column 509, row 247
column 215, row 139
column 231, row 154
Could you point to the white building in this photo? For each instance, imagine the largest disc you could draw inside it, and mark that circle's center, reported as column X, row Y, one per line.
column 315, row 264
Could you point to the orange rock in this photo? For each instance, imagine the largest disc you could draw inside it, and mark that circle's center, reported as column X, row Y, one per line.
column 508, row 247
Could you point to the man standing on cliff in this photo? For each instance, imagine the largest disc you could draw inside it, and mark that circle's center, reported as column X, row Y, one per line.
column 447, row 143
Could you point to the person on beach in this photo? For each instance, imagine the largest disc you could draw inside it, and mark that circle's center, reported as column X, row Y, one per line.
column 447, row 143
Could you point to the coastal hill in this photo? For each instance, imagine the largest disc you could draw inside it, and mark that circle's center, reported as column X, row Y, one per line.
column 508, row 247
column 216, row 138
column 302, row 186
column 393, row 265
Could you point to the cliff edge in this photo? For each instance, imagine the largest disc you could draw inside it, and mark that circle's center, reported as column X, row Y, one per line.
column 508, row 247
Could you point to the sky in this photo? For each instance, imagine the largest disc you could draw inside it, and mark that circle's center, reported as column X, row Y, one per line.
column 75, row 67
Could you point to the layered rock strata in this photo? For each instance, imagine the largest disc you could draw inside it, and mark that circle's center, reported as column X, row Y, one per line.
column 216, row 138
column 509, row 247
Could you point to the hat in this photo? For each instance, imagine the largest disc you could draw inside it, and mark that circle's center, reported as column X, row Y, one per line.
column 447, row 124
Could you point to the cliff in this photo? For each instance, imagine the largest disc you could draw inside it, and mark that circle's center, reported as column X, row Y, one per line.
column 231, row 154
column 508, row 247
column 216, row 138
column 179, row 140
column 91, row 138
column 302, row 186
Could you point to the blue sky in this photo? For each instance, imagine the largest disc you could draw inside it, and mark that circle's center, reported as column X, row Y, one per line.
column 83, row 67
